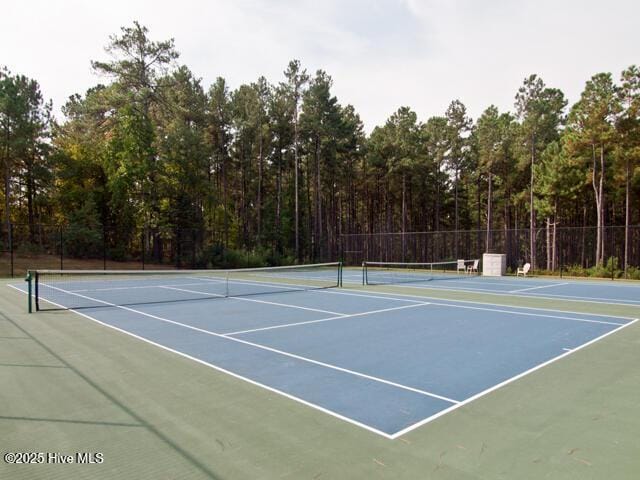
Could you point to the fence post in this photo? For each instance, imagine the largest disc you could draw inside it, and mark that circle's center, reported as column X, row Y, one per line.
column 561, row 256
column 61, row 249
column 143, row 244
column 10, row 233
column 613, row 247
column 193, row 249
column 104, row 247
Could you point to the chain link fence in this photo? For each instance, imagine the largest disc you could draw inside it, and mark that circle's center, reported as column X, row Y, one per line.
column 563, row 250
column 24, row 247
column 42, row 246
column 557, row 250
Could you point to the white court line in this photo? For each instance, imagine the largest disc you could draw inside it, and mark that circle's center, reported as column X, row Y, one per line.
column 351, row 315
column 87, row 290
column 547, row 296
column 223, row 370
column 337, row 415
column 619, row 283
column 457, row 280
column 569, row 298
column 279, row 285
column 254, row 300
column 514, row 312
column 269, row 349
column 379, row 296
column 489, row 292
column 392, row 296
column 506, row 382
column 538, row 287
column 506, row 293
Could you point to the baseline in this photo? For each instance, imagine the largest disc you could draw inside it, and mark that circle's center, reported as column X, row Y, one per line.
column 506, row 382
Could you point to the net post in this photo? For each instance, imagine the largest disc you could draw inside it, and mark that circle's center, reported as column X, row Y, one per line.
column 364, row 273
column 29, row 301
column 35, row 285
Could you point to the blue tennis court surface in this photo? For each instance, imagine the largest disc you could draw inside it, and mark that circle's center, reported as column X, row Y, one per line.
column 602, row 291
column 386, row 363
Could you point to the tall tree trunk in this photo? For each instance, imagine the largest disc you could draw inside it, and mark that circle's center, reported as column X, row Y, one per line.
column 404, row 215
column 308, row 181
column 30, row 200
column 7, row 184
column 598, row 187
column 436, row 236
column 506, row 225
column 225, row 220
column 243, row 196
column 488, row 243
column 211, row 186
column 554, row 245
column 456, row 221
column 598, row 199
column 532, row 220
column 584, row 239
column 548, row 237
column 478, row 220
column 626, row 216
column 296, row 186
column 318, row 228
column 279, row 204
column 601, row 195
column 259, row 200
column 437, row 216
column 367, row 200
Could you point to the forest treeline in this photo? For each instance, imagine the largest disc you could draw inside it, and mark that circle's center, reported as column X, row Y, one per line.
column 286, row 168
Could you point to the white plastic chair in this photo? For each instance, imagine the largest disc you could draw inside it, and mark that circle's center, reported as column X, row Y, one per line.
column 474, row 267
column 524, row 270
column 461, row 266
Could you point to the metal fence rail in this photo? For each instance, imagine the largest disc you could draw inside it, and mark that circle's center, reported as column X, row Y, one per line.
column 565, row 249
column 24, row 246
column 556, row 250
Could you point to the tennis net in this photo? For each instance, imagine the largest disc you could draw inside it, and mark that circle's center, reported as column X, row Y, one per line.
column 75, row 289
column 385, row 273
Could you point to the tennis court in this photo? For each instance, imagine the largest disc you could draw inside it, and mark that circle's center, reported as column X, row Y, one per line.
column 385, row 362
column 571, row 290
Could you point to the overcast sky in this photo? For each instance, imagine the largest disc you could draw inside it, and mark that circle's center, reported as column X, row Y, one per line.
column 381, row 53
